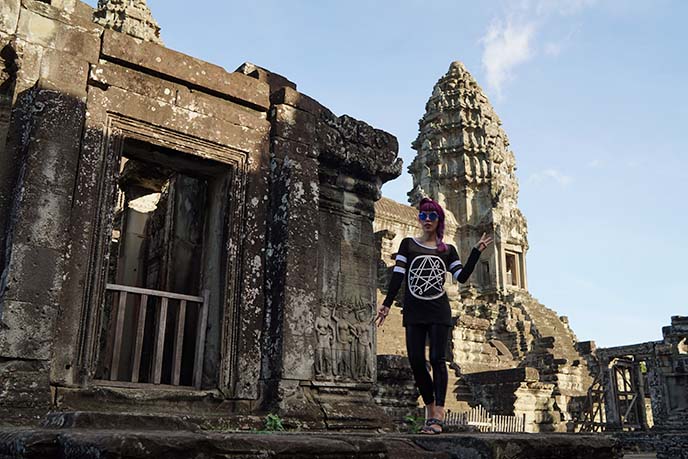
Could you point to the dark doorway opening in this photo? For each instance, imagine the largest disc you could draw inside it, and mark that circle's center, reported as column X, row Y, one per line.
column 165, row 272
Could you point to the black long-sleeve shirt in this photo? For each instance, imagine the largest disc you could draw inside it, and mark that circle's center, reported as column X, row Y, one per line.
column 424, row 268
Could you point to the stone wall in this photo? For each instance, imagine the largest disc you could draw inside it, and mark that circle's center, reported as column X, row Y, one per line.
column 287, row 230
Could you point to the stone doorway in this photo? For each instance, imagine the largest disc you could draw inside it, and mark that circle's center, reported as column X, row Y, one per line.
column 164, row 271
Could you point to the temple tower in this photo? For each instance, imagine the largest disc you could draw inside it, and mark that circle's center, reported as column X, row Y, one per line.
column 132, row 17
column 464, row 162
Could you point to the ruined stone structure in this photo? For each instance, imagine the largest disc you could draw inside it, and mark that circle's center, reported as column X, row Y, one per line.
column 644, row 386
column 176, row 238
column 131, row 17
column 510, row 353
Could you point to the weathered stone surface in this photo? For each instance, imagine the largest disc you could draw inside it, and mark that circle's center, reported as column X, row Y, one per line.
column 132, row 17
column 658, row 369
column 110, row 74
column 274, row 80
column 43, row 266
column 9, row 15
column 191, row 123
column 82, row 111
column 24, row 391
column 525, row 374
column 293, row 124
column 27, row 330
column 50, row 33
column 61, row 70
column 205, row 104
column 237, row 86
column 88, row 444
column 672, row 446
column 289, row 96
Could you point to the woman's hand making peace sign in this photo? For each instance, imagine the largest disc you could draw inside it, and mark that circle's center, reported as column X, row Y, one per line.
column 484, row 241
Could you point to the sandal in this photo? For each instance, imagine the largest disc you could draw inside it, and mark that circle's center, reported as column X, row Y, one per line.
column 430, row 429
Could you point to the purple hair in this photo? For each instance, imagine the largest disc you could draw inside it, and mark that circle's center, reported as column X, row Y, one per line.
column 427, row 204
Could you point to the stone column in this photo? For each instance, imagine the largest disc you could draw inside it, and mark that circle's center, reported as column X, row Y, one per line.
column 50, row 54
column 327, row 174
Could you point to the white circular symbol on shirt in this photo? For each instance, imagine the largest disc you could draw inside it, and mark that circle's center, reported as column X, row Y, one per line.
column 426, row 277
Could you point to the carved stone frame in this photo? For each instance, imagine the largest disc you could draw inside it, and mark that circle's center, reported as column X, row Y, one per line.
column 119, row 128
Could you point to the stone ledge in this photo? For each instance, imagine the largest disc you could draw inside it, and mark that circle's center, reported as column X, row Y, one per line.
column 180, row 67
column 523, row 374
column 46, row 443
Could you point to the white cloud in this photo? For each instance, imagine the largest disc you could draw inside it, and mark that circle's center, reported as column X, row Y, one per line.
column 552, row 49
column 507, row 44
column 512, row 39
column 551, row 174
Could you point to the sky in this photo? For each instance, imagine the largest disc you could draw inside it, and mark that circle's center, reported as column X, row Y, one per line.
column 593, row 95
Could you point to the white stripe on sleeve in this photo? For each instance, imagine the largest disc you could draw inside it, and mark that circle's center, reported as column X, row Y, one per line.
column 401, row 258
column 456, row 263
column 399, row 269
column 456, row 274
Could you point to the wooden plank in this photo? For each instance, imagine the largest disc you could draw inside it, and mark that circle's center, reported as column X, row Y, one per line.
column 117, row 347
column 160, row 293
column 200, row 341
column 131, row 385
column 138, row 342
column 160, row 341
column 178, row 343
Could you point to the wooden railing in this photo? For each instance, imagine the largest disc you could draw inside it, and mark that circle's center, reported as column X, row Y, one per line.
column 485, row 421
column 123, row 292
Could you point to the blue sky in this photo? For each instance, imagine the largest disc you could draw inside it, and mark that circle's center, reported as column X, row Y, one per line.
column 592, row 94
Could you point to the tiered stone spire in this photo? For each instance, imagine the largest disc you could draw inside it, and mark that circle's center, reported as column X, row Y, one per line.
column 465, row 163
column 132, row 17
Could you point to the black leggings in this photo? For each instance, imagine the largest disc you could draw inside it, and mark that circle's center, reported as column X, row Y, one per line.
column 431, row 391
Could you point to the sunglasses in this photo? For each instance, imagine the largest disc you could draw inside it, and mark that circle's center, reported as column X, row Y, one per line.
column 432, row 216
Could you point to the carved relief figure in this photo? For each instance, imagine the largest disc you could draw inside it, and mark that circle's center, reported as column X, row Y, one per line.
column 364, row 348
column 344, row 338
column 323, row 353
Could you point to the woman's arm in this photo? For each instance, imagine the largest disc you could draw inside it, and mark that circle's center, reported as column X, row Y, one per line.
column 462, row 272
column 398, row 275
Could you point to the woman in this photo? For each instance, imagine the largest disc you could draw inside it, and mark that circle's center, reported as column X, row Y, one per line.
column 423, row 262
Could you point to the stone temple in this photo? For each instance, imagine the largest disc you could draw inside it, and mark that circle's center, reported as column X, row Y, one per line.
column 184, row 246
column 510, row 353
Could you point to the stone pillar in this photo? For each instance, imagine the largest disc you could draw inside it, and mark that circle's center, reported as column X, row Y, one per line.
column 50, row 55
column 327, row 174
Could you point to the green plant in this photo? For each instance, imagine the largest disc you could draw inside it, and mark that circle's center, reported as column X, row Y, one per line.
column 415, row 422
column 273, row 423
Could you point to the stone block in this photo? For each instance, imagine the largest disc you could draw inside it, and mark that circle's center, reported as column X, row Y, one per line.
column 50, row 33
column 293, row 124
column 24, row 392
column 109, row 74
column 30, row 70
column 524, row 374
column 205, row 104
column 27, row 330
column 54, row 142
column 293, row 98
column 178, row 119
column 63, row 72
column 282, row 148
column 9, row 15
column 34, row 274
column 274, row 80
column 70, row 12
column 178, row 66
column 42, row 218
